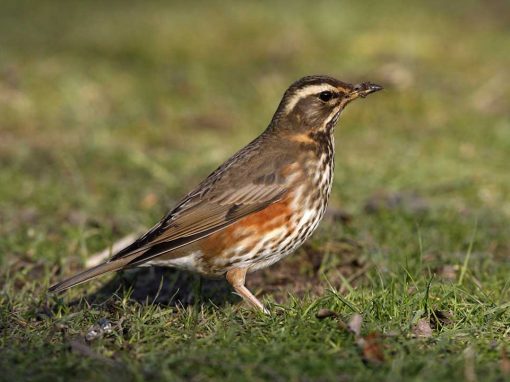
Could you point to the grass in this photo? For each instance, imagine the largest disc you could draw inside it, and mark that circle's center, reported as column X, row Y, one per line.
column 111, row 112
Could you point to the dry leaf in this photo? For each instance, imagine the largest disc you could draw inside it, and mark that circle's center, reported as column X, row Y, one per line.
column 372, row 348
column 422, row 328
column 355, row 324
column 325, row 313
column 370, row 345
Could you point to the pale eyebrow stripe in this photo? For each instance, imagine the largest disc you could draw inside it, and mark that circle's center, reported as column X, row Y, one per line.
column 305, row 92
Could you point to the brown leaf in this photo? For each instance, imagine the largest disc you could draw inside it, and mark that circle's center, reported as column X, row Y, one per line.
column 325, row 313
column 354, row 324
column 372, row 348
column 422, row 328
column 370, row 345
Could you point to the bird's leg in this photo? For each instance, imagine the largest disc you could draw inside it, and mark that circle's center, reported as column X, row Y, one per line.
column 236, row 277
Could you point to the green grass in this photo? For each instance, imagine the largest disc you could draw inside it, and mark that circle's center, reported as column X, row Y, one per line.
column 110, row 112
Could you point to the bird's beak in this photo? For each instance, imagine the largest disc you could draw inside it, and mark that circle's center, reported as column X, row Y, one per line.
column 363, row 89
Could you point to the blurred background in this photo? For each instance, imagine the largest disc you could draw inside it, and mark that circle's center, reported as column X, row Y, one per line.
column 111, row 111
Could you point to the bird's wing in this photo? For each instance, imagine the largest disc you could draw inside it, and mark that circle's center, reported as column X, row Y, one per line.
column 195, row 218
column 243, row 185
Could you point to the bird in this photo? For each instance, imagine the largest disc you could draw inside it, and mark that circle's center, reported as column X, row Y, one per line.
column 260, row 205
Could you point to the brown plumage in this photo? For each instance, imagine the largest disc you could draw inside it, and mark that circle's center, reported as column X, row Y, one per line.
column 261, row 204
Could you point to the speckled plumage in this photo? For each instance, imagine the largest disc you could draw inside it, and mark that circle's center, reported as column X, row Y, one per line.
column 261, row 204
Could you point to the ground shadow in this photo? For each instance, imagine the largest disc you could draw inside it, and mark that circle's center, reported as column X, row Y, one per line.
column 297, row 275
column 166, row 286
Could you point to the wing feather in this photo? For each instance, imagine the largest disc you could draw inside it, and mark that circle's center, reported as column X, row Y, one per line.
column 211, row 213
column 221, row 200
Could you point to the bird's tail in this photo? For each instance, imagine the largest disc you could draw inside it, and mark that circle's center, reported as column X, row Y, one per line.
column 90, row 273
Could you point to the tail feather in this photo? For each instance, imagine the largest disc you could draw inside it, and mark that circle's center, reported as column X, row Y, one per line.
column 89, row 274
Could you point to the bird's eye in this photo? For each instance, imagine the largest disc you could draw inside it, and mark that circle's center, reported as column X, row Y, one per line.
column 325, row 96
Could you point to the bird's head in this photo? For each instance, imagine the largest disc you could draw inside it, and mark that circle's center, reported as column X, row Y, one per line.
column 314, row 103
